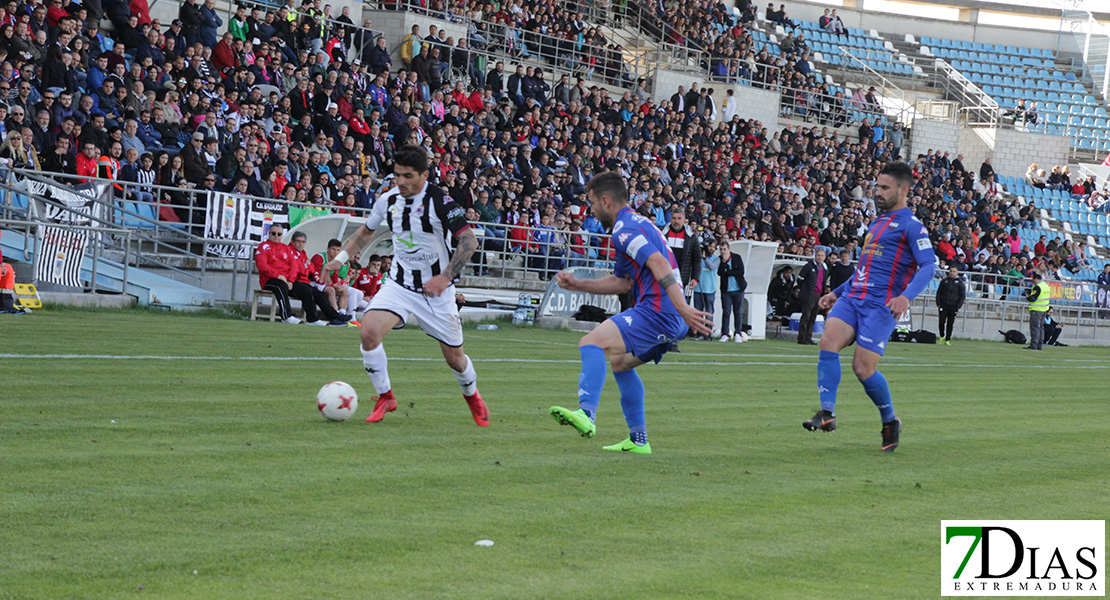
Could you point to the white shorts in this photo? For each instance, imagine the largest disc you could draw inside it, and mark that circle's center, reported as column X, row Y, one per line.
column 438, row 316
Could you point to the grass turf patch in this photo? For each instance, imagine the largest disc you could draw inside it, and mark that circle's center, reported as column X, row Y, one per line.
column 122, row 470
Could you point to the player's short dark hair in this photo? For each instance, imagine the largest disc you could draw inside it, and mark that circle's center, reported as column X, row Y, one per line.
column 334, row 243
column 300, row 235
column 413, row 157
column 900, row 171
column 609, row 184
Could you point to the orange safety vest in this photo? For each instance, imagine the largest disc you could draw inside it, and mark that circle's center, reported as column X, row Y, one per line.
column 108, row 168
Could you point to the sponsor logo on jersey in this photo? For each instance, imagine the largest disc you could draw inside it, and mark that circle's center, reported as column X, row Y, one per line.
column 409, row 244
column 923, row 243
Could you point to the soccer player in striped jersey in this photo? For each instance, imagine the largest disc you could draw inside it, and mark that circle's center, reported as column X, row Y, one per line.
column 643, row 333
column 896, row 264
column 432, row 243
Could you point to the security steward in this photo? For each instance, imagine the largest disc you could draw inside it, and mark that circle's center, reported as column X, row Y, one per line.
column 1038, row 306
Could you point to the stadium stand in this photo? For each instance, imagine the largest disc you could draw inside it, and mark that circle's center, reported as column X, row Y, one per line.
column 300, row 111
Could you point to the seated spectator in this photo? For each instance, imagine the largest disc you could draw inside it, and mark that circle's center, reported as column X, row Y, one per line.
column 835, row 25
column 779, row 291
column 274, row 260
column 1052, row 329
column 1031, row 114
column 305, row 275
column 1035, row 177
column 1016, row 114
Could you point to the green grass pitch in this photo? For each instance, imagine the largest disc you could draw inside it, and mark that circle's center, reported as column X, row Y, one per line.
column 130, row 477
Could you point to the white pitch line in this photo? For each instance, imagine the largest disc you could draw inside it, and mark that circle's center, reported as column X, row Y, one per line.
column 508, row 360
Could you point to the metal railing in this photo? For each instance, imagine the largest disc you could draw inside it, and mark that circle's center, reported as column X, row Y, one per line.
column 523, row 252
column 137, row 235
column 562, row 55
column 866, row 76
column 815, row 107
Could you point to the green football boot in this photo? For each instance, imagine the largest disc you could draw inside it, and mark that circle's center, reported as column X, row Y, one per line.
column 575, row 418
column 629, row 446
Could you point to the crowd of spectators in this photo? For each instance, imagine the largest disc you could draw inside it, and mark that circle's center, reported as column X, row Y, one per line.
column 295, row 104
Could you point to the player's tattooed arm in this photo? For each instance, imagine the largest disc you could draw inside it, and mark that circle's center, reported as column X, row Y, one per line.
column 358, row 241
column 465, row 245
column 668, row 280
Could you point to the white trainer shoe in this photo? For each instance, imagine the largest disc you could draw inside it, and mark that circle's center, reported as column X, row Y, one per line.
column 726, row 337
column 293, row 321
column 738, row 338
column 319, row 323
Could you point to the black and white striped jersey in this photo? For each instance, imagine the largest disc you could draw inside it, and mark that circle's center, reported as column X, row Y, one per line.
column 422, row 228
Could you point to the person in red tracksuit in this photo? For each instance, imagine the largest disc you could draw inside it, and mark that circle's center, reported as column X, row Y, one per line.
column 334, row 288
column 272, row 259
column 370, row 277
column 87, row 161
column 303, row 275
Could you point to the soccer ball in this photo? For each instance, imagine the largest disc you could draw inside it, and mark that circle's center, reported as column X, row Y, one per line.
column 337, row 401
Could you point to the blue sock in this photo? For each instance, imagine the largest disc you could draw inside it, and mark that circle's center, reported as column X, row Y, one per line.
column 828, row 379
column 879, row 392
column 592, row 379
column 632, row 403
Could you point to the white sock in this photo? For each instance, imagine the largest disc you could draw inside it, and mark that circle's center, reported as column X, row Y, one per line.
column 363, row 307
column 468, row 379
column 376, row 364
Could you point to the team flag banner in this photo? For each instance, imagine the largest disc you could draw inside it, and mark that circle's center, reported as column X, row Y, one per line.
column 59, row 206
column 61, row 255
column 241, row 219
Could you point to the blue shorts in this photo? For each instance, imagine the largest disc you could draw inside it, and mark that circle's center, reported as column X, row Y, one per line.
column 649, row 334
column 872, row 322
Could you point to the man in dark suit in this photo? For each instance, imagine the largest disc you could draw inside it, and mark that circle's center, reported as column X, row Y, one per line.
column 814, row 285
column 515, row 89
column 692, row 96
column 678, row 101
column 495, row 80
column 732, row 287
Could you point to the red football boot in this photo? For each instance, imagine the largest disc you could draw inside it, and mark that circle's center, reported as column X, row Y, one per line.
column 478, row 409
column 382, row 404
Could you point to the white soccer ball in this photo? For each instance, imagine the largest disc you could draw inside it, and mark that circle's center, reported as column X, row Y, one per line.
column 337, row 401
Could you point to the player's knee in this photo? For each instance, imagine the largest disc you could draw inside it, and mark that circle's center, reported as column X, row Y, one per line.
column 862, row 369
column 370, row 338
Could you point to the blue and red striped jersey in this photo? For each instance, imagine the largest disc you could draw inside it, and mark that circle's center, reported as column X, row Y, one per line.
column 897, row 244
column 636, row 238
